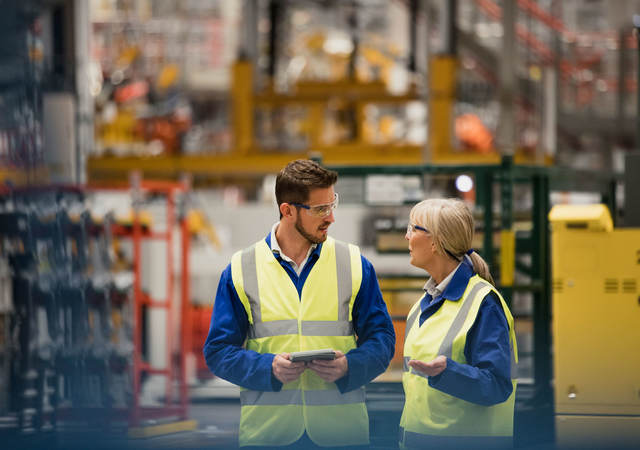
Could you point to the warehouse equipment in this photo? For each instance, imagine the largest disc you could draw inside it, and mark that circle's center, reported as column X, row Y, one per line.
column 297, row 99
column 72, row 347
column 65, row 350
column 175, row 358
column 513, row 238
column 596, row 318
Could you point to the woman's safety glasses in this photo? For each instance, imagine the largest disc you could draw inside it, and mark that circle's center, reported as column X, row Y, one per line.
column 411, row 228
column 320, row 210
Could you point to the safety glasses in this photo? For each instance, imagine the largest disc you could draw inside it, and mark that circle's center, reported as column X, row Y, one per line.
column 411, row 228
column 319, row 210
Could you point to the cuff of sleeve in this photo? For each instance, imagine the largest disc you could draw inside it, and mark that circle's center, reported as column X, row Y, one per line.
column 343, row 383
column 276, row 385
column 443, row 379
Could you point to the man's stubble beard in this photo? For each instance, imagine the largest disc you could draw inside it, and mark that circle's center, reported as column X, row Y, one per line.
column 307, row 236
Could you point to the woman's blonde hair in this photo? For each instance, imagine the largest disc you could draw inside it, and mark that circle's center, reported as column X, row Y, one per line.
column 450, row 222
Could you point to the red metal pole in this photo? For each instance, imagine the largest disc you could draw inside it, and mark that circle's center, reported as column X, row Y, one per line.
column 137, row 301
column 185, row 341
column 170, row 324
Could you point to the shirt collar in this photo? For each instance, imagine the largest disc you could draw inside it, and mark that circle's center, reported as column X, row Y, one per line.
column 458, row 282
column 272, row 242
column 435, row 291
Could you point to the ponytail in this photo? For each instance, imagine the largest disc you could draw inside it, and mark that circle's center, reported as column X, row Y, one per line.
column 480, row 267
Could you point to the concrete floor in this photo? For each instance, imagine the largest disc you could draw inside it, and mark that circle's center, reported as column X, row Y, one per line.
column 217, row 412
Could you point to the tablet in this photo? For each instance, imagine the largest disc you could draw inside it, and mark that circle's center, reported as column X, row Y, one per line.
column 325, row 353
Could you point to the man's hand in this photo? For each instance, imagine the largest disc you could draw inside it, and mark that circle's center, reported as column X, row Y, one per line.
column 284, row 370
column 330, row 370
column 431, row 368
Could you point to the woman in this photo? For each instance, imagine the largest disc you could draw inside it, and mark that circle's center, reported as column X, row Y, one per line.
column 460, row 347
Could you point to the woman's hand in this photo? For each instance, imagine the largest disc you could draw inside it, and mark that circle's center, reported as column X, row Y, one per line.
column 431, row 368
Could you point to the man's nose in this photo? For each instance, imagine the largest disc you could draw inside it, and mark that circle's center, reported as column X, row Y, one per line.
column 330, row 218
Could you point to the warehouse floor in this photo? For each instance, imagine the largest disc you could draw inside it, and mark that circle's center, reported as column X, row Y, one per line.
column 218, row 419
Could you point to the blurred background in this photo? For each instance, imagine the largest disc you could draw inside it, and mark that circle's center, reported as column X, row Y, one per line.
column 139, row 142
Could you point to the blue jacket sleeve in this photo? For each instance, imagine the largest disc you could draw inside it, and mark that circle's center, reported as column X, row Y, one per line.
column 486, row 380
column 376, row 337
column 223, row 349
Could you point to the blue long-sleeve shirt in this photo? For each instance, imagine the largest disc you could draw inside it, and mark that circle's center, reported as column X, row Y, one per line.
column 486, row 378
column 225, row 356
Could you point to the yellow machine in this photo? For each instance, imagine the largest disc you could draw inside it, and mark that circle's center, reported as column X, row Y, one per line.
column 596, row 328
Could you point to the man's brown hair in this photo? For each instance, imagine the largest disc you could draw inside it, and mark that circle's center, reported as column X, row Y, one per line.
column 299, row 177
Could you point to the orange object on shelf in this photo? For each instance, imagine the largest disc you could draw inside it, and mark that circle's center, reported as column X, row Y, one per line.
column 472, row 133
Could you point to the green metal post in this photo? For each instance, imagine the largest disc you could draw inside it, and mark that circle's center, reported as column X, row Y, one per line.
column 506, row 212
column 484, row 179
column 541, row 265
column 609, row 198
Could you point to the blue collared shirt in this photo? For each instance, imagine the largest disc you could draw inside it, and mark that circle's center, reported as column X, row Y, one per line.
column 225, row 356
column 486, row 379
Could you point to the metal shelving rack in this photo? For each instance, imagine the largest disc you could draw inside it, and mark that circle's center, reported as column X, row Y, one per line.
column 175, row 369
column 20, row 94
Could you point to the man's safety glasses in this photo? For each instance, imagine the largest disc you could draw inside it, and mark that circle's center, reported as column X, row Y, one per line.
column 319, row 210
column 411, row 228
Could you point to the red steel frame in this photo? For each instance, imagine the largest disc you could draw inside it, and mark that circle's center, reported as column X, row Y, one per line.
column 139, row 413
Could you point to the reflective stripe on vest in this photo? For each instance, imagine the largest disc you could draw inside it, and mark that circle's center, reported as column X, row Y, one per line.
column 456, row 326
column 285, row 319
column 260, row 329
column 413, row 316
column 294, row 397
column 419, row 440
column 433, row 418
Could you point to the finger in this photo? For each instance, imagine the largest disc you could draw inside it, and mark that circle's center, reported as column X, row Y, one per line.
column 327, row 378
column 280, row 360
column 292, row 376
column 418, row 364
column 293, row 365
column 325, row 373
column 339, row 354
column 421, row 367
column 285, row 363
column 293, row 370
column 288, row 377
column 297, row 372
column 281, row 357
column 322, row 363
column 319, row 369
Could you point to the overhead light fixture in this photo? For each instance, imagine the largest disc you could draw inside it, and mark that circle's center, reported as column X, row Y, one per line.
column 464, row 183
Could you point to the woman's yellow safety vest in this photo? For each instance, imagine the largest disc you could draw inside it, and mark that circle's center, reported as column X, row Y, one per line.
column 433, row 419
column 281, row 321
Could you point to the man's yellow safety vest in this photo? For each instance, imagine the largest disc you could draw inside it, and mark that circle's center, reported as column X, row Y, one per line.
column 433, row 419
column 281, row 321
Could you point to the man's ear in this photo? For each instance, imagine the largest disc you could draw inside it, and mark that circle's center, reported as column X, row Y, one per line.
column 285, row 209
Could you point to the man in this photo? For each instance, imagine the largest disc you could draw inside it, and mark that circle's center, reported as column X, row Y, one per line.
column 296, row 290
